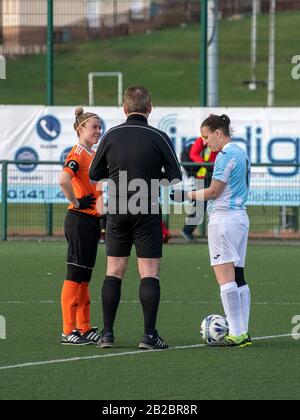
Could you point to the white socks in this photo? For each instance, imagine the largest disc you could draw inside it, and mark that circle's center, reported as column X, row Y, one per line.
column 232, row 307
column 236, row 303
column 245, row 298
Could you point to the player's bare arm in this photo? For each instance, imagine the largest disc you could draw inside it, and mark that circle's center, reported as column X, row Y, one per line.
column 214, row 191
column 65, row 182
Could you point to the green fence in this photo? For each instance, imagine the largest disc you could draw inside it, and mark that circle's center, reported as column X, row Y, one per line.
column 32, row 205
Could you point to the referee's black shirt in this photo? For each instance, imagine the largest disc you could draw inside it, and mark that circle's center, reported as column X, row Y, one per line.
column 138, row 149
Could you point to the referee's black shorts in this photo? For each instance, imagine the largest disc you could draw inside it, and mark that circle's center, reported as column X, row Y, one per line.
column 82, row 232
column 142, row 230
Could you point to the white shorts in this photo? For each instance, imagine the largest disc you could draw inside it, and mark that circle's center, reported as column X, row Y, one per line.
column 227, row 238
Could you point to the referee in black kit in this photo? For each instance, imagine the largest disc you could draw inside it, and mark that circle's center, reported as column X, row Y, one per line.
column 134, row 153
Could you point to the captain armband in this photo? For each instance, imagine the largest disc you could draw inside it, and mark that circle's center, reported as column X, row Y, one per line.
column 73, row 165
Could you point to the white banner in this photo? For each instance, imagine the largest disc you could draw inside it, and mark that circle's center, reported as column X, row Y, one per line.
column 269, row 135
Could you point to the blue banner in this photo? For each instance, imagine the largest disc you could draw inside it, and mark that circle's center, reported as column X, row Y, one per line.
column 34, row 194
column 264, row 196
column 274, row 197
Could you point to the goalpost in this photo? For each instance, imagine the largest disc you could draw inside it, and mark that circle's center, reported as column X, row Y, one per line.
column 92, row 75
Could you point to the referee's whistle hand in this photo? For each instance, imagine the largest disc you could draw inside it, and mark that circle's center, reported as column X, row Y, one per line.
column 86, row 202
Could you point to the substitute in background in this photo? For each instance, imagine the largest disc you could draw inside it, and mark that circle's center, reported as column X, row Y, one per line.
column 200, row 153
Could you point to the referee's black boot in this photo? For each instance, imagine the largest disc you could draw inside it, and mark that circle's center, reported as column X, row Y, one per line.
column 106, row 340
column 152, row 342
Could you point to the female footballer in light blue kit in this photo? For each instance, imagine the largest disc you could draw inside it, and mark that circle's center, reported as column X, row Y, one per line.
column 228, row 225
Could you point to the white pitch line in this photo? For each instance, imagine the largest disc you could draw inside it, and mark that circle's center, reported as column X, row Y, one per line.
column 128, row 353
column 166, row 302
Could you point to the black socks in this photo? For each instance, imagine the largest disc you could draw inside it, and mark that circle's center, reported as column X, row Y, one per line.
column 149, row 297
column 111, row 294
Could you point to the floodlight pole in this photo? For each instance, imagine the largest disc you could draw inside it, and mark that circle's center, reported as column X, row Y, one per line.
column 203, row 54
column 50, row 54
column 271, row 76
column 212, row 53
column 252, row 84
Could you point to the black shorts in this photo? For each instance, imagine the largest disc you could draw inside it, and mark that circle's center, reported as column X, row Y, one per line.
column 82, row 232
column 142, row 230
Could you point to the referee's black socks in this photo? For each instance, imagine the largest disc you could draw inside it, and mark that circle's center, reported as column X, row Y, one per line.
column 149, row 297
column 111, row 294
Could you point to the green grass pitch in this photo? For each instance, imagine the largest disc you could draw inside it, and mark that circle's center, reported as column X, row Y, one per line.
column 31, row 279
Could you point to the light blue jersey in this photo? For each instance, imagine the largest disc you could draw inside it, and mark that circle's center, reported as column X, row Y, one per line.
column 232, row 167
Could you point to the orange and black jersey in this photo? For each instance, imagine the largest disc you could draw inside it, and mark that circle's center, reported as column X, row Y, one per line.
column 77, row 165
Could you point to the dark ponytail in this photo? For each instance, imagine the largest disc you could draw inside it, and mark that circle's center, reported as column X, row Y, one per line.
column 218, row 122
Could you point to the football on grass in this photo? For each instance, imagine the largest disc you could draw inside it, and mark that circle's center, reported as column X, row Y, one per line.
column 213, row 329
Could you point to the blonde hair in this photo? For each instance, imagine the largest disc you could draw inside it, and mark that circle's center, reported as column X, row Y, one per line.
column 82, row 117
